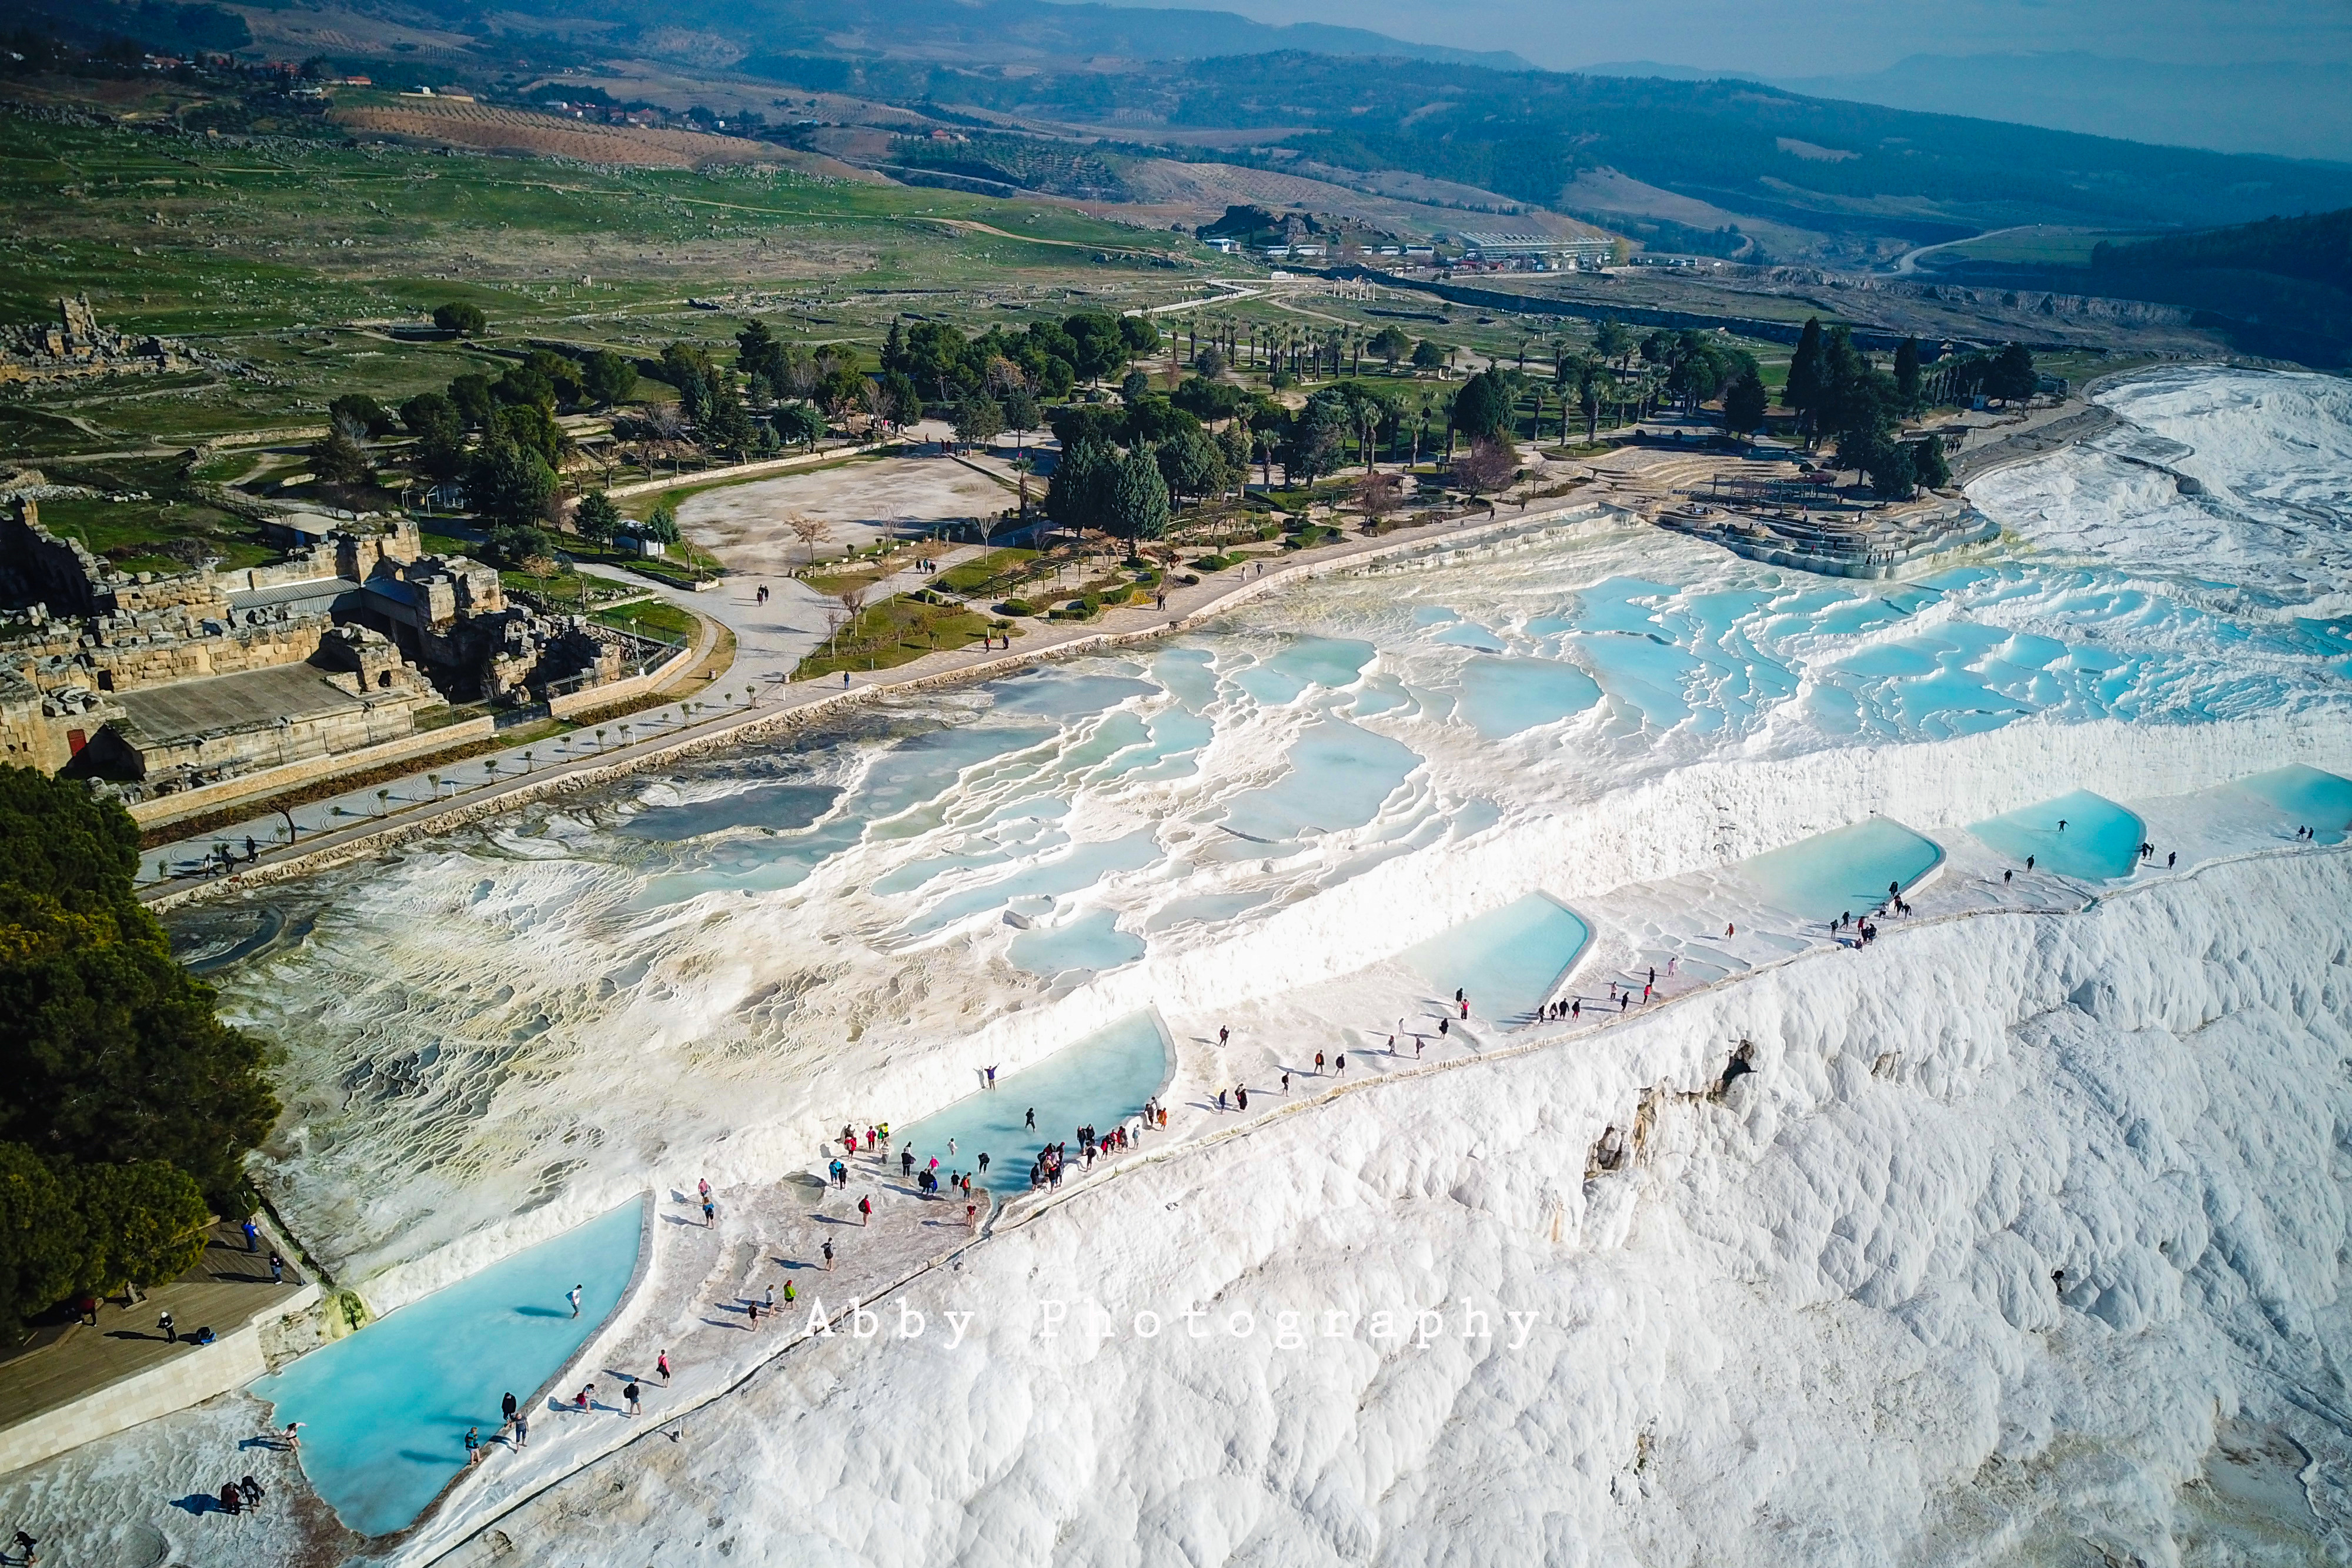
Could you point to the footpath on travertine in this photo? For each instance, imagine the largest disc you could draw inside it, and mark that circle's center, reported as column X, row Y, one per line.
column 700, row 1283
column 756, row 698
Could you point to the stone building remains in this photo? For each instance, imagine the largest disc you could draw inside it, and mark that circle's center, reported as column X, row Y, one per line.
column 164, row 682
column 75, row 347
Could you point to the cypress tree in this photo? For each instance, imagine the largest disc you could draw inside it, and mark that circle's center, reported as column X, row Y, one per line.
column 1907, row 373
column 1803, row 391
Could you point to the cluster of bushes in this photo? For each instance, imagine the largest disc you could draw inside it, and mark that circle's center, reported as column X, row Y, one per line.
column 1048, row 358
column 130, row 1106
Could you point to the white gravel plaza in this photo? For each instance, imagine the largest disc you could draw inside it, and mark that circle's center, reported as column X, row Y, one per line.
column 745, row 525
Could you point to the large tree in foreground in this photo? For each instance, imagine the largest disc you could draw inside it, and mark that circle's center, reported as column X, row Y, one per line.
column 113, row 1053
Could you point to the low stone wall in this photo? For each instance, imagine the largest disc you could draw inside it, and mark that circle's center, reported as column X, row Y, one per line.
column 745, row 470
column 165, row 809
column 588, row 697
column 228, row 1363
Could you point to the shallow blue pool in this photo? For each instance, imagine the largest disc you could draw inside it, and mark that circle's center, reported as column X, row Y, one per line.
column 1500, row 696
column 1842, row 871
column 1092, row 941
column 384, row 1412
column 1098, row 1082
column 2317, row 801
column 2100, row 839
column 1338, row 777
column 1509, row 959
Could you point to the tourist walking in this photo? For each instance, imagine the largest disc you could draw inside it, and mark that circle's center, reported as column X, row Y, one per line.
column 1319, row 1064
column 473, row 1446
column 709, row 1214
column 277, row 1269
column 252, row 1236
column 573, row 1295
column 522, row 1429
column 169, row 1329
column 630, row 1393
column 864, row 1209
column 585, row 1399
column 1339, row 1064
column 828, row 1257
column 507, row 1407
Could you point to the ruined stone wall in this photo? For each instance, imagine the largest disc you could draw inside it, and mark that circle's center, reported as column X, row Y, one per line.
column 37, row 568
column 224, row 753
column 198, row 591
column 127, row 666
column 42, row 730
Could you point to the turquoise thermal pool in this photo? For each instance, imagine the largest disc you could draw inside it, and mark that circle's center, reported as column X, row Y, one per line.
column 1509, row 959
column 2099, row 840
column 1844, row 871
column 2317, row 801
column 384, row 1412
column 1098, row 1082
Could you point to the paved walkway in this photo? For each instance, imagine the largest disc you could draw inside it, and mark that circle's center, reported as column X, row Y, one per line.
column 227, row 1289
column 755, row 692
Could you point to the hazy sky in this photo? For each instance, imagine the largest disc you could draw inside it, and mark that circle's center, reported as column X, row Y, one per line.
column 1813, row 37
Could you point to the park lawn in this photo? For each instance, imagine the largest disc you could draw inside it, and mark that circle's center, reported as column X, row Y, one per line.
column 896, row 632
column 685, row 565
column 566, row 592
column 652, row 617
column 834, row 585
column 974, row 576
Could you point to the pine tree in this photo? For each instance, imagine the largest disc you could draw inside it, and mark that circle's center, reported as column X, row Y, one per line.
column 1138, row 498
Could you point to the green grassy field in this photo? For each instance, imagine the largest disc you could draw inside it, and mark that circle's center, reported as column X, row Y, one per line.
column 650, row 618
column 296, row 260
column 2039, row 246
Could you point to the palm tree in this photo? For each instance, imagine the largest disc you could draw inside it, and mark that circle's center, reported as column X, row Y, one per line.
column 1023, row 467
column 382, row 802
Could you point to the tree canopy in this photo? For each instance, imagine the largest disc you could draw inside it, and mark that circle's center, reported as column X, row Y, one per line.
column 465, row 320
column 124, row 1086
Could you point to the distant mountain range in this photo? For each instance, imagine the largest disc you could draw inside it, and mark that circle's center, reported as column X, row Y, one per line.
column 2287, row 109
column 968, row 31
